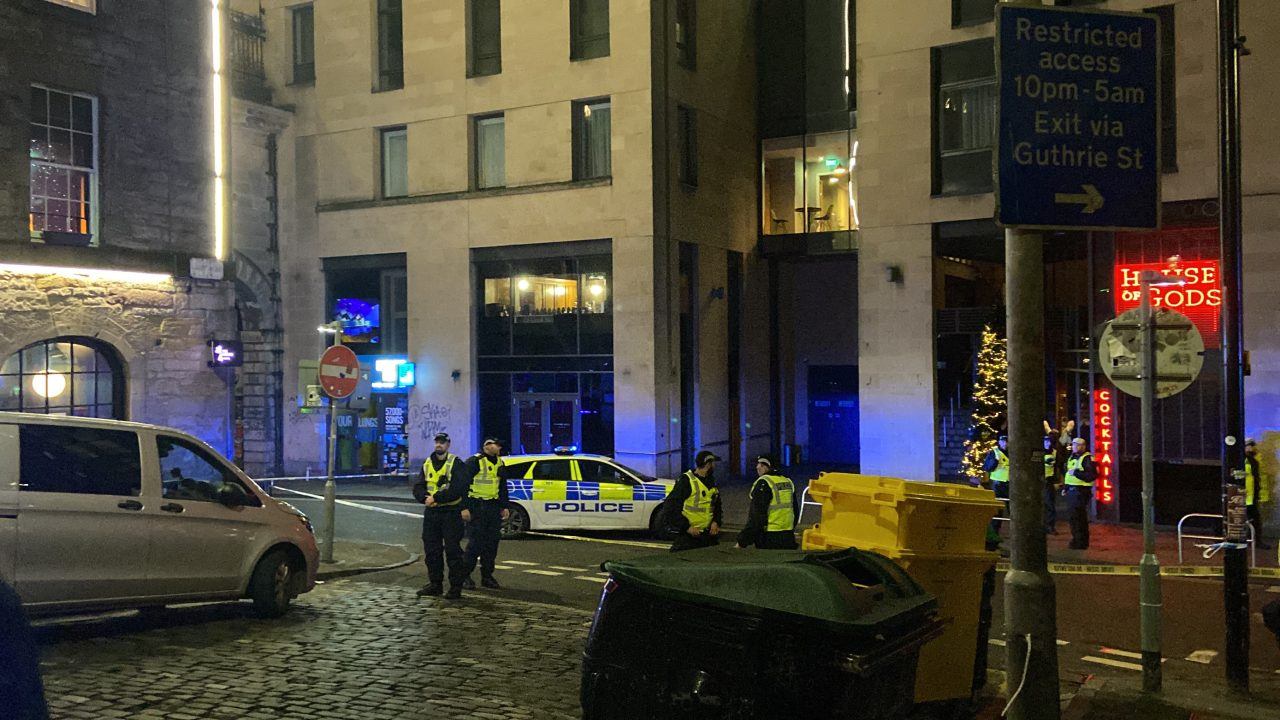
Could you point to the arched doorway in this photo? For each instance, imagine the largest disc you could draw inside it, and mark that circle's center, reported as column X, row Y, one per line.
column 64, row 376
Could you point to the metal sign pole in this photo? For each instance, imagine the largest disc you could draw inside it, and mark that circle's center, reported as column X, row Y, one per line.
column 330, row 486
column 1149, row 597
column 1235, row 584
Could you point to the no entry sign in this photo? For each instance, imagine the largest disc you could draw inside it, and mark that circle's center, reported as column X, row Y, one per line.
column 339, row 372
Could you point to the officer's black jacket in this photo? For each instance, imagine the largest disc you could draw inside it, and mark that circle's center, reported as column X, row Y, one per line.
column 473, row 469
column 673, row 506
column 455, row 487
column 758, row 514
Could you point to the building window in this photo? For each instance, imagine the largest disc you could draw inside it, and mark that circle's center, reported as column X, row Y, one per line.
column 64, row 376
column 687, row 122
column 687, row 33
column 972, row 12
column 592, row 152
column 809, row 183
column 304, row 45
column 390, row 45
column 489, row 155
column 484, row 42
column 395, row 162
column 588, row 29
column 1168, row 88
column 64, row 168
column 964, row 117
column 89, row 6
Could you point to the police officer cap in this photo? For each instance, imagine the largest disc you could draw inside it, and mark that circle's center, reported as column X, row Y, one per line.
column 705, row 457
column 765, row 459
column 493, row 440
column 442, row 437
column 1005, row 438
column 1250, row 441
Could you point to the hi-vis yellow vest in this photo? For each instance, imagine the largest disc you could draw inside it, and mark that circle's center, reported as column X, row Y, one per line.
column 484, row 486
column 1001, row 473
column 438, row 479
column 1077, row 464
column 1256, row 490
column 697, row 507
column 782, row 514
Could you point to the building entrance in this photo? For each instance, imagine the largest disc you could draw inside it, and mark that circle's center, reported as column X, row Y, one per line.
column 542, row 422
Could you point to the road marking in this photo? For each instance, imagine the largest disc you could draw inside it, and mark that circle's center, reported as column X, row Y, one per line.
column 1063, row 642
column 503, row 567
column 604, row 541
column 520, row 562
column 348, row 503
column 568, row 569
column 592, row 578
column 551, row 573
column 1111, row 663
column 1204, row 657
column 997, row 642
column 1125, row 653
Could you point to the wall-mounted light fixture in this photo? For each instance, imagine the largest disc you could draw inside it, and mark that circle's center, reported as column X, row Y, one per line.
column 219, row 131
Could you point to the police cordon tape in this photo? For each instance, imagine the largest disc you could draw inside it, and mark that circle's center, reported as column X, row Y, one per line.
column 1167, row 571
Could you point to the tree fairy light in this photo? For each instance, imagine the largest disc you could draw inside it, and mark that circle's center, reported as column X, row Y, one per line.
column 990, row 403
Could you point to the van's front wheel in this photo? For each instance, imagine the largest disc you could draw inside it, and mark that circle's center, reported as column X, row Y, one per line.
column 270, row 588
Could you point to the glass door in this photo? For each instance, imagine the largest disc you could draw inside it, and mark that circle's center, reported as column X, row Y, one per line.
column 541, row 422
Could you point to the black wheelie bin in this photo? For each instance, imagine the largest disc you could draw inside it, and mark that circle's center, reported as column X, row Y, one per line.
column 722, row 633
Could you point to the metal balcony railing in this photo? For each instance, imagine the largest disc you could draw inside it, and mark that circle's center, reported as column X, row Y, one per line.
column 245, row 45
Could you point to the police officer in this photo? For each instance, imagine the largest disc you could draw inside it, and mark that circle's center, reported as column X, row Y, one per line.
column 996, row 465
column 486, row 509
column 771, row 520
column 1257, row 490
column 442, row 486
column 692, row 508
column 1081, row 473
column 1050, row 486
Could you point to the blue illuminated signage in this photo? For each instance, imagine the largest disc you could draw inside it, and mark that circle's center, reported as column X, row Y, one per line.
column 226, row 353
column 390, row 373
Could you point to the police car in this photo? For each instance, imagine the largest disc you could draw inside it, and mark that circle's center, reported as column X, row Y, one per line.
column 566, row 491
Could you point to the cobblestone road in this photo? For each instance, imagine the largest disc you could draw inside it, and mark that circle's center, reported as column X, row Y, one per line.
column 349, row 650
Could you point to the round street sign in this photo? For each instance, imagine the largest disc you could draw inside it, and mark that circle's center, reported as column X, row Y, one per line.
column 1179, row 352
column 339, row 372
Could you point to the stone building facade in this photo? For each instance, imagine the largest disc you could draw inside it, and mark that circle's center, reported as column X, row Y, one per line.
column 105, row 198
column 646, row 260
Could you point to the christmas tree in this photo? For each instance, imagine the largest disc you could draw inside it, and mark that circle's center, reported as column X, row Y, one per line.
column 990, row 399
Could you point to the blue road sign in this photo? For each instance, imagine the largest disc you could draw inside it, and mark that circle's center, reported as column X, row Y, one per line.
column 1079, row 133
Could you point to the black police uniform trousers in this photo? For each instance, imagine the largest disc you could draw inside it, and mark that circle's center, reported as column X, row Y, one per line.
column 1078, row 497
column 685, row 541
column 484, row 532
column 442, row 542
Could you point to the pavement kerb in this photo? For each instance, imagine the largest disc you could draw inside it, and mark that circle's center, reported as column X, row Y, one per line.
column 342, row 572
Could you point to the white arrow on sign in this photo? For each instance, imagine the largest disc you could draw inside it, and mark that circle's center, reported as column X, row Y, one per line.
column 1091, row 199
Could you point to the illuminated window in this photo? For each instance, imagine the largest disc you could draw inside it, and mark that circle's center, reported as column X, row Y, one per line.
column 89, row 6
column 592, row 125
column 809, row 183
column 64, row 167
column 64, row 376
column 964, row 117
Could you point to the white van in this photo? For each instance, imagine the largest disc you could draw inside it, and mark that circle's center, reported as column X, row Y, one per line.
column 103, row 514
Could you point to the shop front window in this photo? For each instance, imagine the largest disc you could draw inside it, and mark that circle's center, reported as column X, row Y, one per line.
column 64, row 376
column 809, row 183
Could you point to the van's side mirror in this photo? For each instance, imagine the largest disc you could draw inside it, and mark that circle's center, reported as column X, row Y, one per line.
column 233, row 495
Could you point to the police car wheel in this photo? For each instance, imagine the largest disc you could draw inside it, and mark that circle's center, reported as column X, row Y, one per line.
column 517, row 522
column 655, row 520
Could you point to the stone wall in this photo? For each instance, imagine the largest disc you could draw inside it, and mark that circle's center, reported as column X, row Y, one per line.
column 159, row 330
